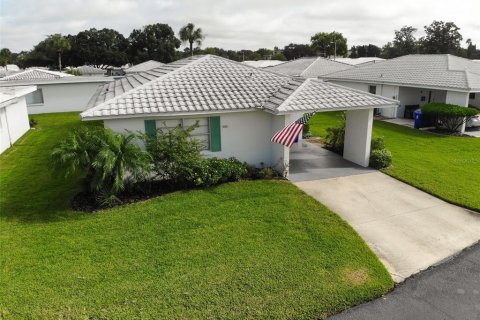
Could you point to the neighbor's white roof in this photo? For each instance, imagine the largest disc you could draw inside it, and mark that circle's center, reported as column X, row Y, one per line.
column 209, row 84
column 262, row 63
column 310, row 67
column 33, row 74
column 144, row 66
column 439, row 71
column 91, row 70
column 357, row 61
column 9, row 93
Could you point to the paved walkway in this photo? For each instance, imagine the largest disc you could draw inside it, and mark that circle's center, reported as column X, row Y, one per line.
column 408, row 229
column 448, row 291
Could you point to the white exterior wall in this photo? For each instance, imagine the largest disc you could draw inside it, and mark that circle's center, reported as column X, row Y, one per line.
column 413, row 96
column 475, row 102
column 386, row 91
column 64, row 97
column 14, row 122
column 244, row 135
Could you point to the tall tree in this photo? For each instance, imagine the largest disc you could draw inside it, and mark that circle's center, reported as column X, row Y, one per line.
column 191, row 35
column 295, row 51
column 58, row 44
column 405, row 41
column 98, row 47
column 441, row 37
column 153, row 42
column 365, row 51
column 324, row 44
column 5, row 56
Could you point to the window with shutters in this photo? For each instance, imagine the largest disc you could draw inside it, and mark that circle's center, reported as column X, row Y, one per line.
column 35, row 97
column 201, row 133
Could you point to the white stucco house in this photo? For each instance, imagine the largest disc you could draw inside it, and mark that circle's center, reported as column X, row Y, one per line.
column 262, row 63
column 415, row 80
column 56, row 91
column 238, row 107
column 310, row 67
column 13, row 114
column 361, row 60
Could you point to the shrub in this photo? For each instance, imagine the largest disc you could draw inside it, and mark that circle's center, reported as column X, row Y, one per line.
column 380, row 159
column 33, row 122
column 378, row 143
column 334, row 140
column 306, row 131
column 214, row 171
column 105, row 158
column 74, row 72
column 447, row 116
column 175, row 156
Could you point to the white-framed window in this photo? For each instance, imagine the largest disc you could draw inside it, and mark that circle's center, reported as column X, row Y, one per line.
column 35, row 97
column 200, row 133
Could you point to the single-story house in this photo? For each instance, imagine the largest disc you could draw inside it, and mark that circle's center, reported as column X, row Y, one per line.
column 238, row 107
column 310, row 67
column 144, row 66
column 91, row 71
column 13, row 114
column 56, row 91
column 415, row 80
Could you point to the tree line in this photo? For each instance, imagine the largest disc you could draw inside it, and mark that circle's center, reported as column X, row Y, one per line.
column 101, row 47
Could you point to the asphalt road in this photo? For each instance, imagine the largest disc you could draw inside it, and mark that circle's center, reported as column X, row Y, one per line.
column 450, row 290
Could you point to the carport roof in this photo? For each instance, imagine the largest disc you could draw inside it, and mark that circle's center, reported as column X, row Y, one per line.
column 211, row 84
column 440, row 71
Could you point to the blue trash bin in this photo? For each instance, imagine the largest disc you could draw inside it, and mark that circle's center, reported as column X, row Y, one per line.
column 417, row 115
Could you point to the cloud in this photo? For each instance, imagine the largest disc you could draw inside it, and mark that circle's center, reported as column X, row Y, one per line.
column 234, row 24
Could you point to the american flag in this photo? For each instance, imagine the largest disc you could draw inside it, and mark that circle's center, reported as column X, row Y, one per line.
column 289, row 134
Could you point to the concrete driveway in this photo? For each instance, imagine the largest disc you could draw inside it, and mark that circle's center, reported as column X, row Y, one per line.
column 408, row 229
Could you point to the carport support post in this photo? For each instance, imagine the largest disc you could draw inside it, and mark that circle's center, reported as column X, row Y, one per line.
column 358, row 136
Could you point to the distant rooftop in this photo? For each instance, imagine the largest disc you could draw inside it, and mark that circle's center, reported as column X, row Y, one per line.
column 262, row 63
column 309, row 67
column 357, row 61
column 440, row 71
column 144, row 66
column 34, row 74
column 206, row 84
column 84, row 70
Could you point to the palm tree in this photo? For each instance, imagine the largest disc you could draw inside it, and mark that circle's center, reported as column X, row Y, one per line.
column 189, row 34
column 105, row 157
column 59, row 44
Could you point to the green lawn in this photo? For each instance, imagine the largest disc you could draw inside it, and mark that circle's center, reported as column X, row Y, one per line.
column 253, row 249
column 447, row 167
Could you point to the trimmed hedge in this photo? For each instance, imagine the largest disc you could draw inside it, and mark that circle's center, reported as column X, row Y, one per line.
column 448, row 116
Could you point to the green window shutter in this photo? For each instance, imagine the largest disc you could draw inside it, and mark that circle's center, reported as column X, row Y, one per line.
column 215, row 140
column 151, row 128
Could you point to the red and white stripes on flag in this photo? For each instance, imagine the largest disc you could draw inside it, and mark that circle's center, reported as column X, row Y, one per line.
column 289, row 134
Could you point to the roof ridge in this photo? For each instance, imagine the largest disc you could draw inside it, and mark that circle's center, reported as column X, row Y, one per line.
column 294, row 93
column 311, row 64
column 182, row 67
column 251, row 67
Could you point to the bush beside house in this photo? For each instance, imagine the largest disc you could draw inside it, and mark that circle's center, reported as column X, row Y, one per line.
column 448, row 117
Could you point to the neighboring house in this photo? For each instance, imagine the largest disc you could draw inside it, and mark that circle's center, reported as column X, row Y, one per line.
column 8, row 70
column 238, row 107
column 144, row 66
column 56, row 91
column 263, row 63
column 91, row 71
column 415, row 80
column 357, row 61
column 13, row 114
column 309, row 67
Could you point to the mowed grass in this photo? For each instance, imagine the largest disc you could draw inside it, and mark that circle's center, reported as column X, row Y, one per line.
column 247, row 250
column 447, row 167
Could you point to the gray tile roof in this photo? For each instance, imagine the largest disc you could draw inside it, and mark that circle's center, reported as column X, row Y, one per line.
column 214, row 84
column 84, row 70
column 144, row 66
column 34, row 74
column 310, row 67
column 440, row 71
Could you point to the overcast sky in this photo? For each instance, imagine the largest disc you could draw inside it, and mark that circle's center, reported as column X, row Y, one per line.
column 235, row 24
